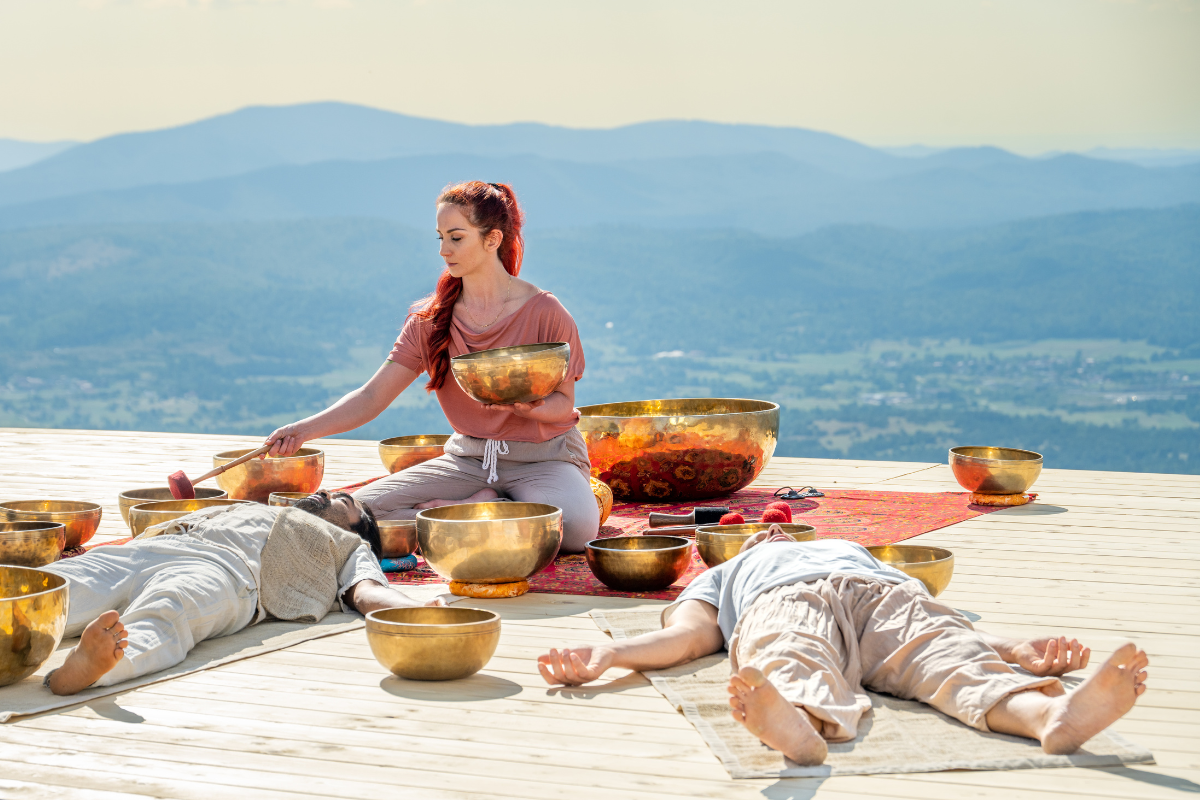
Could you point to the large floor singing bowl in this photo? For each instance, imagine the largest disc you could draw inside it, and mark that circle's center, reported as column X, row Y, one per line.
column 995, row 470
column 258, row 477
column 80, row 519
column 489, row 542
column 509, row 375
column 146, row 515
column 33, row 616
column 433, row 644
column 679, row 450
column 932, row 566
column 156, row 494
column 31, row 544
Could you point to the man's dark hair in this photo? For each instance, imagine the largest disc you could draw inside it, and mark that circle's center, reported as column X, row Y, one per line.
column 368, row 529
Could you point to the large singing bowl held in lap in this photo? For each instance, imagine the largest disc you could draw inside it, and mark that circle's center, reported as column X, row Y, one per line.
column 679, row 450
column 402, row 452
column 510, row 375
column 145, row 515
column 932, row 566
column 433, row 644
column 716, row 544
column 80, row 519
column 133, row 497
column 33, row 616
column 258, row 477
column 995, row 470
column 489, row 542
column 639, row 563
column 31, row 544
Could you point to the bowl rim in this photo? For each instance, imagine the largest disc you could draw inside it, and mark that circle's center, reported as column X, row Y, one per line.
column 683, row 543
column 291, row 495
column 396, row 523
column 373, row 618
column 65, row 583
column 38, row 525
column 126, row 494
column 535, row 352
column 954, row 454
column 224, row 501
column 771, row 407
column 394, row 441
column 948, row 557
column 556, row 510
column 713, row 530
column 300, row 455
column 7, row 505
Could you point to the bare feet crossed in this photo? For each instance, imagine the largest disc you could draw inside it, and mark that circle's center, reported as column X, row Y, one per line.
column 1100, row 701
column 100, row 648
column 767, row 714
column 482, row 496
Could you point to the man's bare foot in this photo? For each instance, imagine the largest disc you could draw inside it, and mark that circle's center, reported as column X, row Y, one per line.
column 1100, row 701
column 778, row 724
column 100, row 648
column 482, row 496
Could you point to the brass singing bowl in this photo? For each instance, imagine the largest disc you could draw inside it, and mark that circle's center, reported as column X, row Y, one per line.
column 402, row 452
column 133, row 497
column 284, row 499
column 932, row 566
column 33, row 616
column 716, row 544
column 509, row 375
column 398, row 537
column 489, row 542
column 995, row 470
column 258, row 477
column 679, row 450
column 80, row 519
column 146, row 515
column 31, row 544
column 639, row 563
column 433, row 644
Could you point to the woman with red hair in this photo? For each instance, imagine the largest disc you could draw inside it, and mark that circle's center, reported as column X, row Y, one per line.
column 525, row 452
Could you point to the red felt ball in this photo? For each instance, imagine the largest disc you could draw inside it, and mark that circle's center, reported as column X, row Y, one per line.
column 733, row 518
column 774, row 515
column 782, row 506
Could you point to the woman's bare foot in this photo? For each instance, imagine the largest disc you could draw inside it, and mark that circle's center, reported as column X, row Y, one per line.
column 100, row 648
column 778, row 724
column 1100, row 701
column 482, row 496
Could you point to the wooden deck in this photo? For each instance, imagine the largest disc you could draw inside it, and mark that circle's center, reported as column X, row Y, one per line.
column 1107, row 557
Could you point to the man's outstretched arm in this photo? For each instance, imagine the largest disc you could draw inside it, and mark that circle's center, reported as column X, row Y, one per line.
column 692, row 632
column 367, row 596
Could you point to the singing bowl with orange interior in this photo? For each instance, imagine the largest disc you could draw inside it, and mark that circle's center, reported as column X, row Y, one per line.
column 80, row 519
column 258, row 477
column 508, row 375
column 402, row 452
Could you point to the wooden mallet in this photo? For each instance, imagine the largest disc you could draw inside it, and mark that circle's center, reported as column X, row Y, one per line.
column 184, row 489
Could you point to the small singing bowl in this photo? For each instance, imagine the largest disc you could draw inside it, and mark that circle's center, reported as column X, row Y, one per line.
column 402, row 452
column 510, row 375
column 133, row 497
column 489, row 542
column 995, row 470
column 398, row 536
column 716, row 544
column 639, row 563
column 33, row 617
column 433, row 644
column 258, row 477
column 286, row 498
column 932, row 566
column 146, row 515
column 80, row 519
column 31, row 544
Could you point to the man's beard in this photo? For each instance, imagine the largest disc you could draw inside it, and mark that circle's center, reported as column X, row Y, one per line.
column 317, row 504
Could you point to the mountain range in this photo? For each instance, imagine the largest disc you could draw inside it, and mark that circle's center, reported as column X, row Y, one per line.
column 338, row 160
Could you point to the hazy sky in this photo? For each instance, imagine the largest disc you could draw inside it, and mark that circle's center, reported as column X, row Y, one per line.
column 1030, row 75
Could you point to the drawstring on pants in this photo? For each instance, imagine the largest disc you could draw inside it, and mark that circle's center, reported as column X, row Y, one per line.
column 492, row 450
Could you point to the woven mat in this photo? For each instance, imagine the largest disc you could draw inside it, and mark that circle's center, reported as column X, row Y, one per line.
column 30, row 697
column 869, row 518
column 897, row 736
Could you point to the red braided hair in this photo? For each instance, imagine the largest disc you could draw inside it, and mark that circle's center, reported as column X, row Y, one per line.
column 489, row 207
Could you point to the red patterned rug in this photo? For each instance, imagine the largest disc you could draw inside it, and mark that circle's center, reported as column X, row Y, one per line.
column 869, row 518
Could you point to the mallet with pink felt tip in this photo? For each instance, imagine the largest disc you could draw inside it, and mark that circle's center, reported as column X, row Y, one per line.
column 184, row 489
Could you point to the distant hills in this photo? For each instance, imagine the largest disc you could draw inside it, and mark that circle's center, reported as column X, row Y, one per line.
column 337, row 160
column 15, row 154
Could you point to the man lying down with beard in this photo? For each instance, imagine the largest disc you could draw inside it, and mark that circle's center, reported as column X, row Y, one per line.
column 140, row 607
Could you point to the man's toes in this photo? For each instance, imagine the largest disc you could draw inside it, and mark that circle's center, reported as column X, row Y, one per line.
column 753, row 676
column 739, row 687
column 1125, row 653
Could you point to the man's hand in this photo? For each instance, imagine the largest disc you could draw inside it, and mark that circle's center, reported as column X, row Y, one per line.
column 1049, row 655
column 575, row 665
